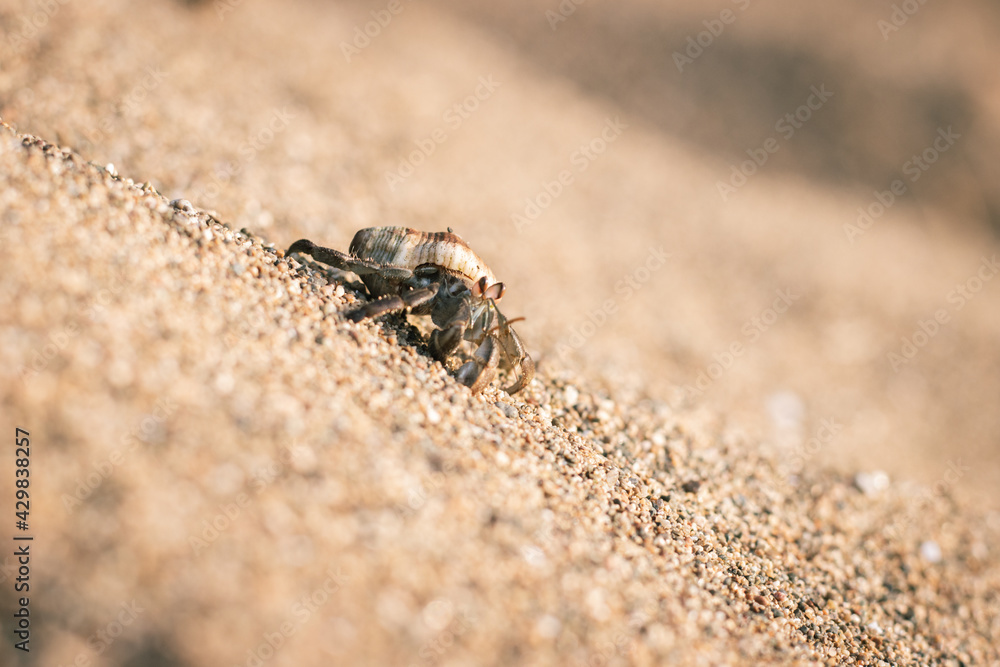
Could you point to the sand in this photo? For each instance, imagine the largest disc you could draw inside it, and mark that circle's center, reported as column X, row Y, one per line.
column 226, row 471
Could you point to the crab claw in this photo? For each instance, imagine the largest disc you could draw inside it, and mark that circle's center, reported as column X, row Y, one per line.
column 527, row 373
column 444, row 341
column 482, row 368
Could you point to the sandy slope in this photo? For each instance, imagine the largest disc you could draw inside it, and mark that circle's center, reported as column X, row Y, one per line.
column 176, row 374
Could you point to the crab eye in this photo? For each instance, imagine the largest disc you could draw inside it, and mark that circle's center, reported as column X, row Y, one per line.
column 479, row 287
column 495, row 291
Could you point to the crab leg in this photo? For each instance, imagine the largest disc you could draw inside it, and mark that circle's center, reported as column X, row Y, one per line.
column 514, row 354
column 345, row 262
column 392, row 303
column 445, row 341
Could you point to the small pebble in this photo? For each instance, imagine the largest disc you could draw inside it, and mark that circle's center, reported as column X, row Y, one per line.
column 691, row 486
column 509, row 410
column 871, row 483
column 438, row 614
column 786, row 410
column 548, row 626
column 571, row 395
column 433, row 416
column 930, row 551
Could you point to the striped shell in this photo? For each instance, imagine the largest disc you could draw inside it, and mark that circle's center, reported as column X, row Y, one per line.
column 409, row 248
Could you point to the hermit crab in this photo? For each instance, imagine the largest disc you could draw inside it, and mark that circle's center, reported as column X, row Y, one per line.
column 434, row 274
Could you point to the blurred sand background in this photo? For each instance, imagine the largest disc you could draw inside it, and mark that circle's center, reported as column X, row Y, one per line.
column 278, row 118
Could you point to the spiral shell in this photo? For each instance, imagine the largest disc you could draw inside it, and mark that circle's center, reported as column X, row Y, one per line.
column 408, row 248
